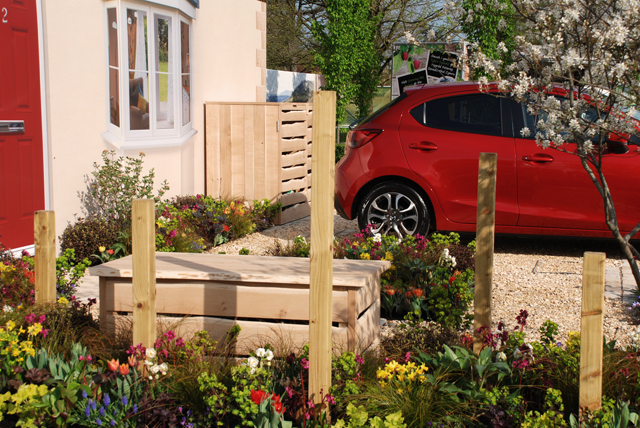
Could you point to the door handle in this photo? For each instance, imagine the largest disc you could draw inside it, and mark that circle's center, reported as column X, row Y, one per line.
column 423, row 145
column 538, row 158
column 11, row 126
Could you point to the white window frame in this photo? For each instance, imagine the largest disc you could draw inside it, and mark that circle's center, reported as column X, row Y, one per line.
column 124, row 137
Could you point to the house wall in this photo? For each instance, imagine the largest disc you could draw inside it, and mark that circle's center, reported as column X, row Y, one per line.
column 228, row 46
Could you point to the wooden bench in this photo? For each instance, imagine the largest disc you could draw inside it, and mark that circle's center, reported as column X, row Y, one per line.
column 257, row 293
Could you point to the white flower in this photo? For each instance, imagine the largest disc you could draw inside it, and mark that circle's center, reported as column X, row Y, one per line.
column 164, row 367
column 7, row 309
column 148, row 363
column 154, row 369
column 151, row 353
column 260, row 352
column 377, row 237
column 501, row 357
column 269, row 354
column 253, row 362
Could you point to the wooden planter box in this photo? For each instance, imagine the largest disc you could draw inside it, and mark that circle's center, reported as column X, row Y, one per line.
column 260, row 151
column 267, row 296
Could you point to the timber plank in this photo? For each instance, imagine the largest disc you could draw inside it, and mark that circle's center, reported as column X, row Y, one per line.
column 258, row 269
column 294, row 145
column 295, row 129
column 295, row 212
column 226, row 299
column 295, row 198
column 294, row 172
column 296, row 184
column 295, row 158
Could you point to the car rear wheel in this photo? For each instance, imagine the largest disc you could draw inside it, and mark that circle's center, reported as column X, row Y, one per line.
column 394, row 209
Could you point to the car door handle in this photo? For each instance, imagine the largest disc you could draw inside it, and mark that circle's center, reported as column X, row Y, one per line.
column 423, row 145
column 538, row 158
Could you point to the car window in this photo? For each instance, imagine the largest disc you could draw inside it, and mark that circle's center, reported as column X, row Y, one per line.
column 477, row 114
column 530, row 120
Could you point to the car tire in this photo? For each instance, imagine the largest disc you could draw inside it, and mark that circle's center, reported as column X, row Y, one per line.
column 394, row 208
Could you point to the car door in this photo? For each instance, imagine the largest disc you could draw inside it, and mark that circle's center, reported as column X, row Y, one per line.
column 555, row 191
column 442, row 139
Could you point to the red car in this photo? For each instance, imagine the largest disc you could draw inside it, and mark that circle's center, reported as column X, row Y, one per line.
column 413, row 166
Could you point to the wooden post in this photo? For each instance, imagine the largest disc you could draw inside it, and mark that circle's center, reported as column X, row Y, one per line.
column 591, row 330
column 485, row 230
column 45, row 257
column 144, row 272
column 321, row 270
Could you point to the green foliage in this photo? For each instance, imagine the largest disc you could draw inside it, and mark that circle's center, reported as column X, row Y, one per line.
column 340, row 147
column 299, row 247
column 69, row 272
column 427, row 338
column 552, row 417
column 243, row 251
column 358, row 417
column 86, row 236
column 347, row 54
column 117, row 183
column 491, row 25
column 187, row 223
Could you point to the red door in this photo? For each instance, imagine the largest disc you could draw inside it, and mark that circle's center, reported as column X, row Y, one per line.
column 21, row 153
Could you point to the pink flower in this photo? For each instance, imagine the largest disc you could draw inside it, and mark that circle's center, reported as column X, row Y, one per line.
column 359, row 359
column 305, row 363
column 407, row 357
column 42, row 319
column 44, row 332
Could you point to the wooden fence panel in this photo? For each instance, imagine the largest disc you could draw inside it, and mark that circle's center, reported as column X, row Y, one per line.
column 260, row 151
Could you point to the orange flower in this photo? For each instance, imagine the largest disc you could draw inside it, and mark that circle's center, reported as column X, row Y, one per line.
column 225, row 228
column 409, row 294
column 417, row 292
column 124, row 369
column 390, row 291
column 113, row 365
column 132, row 361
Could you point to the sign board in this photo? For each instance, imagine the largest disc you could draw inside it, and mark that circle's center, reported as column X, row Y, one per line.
column 433, row 63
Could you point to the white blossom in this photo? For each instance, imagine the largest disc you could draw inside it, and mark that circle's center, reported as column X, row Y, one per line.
column 260, row 352
column 151, row 353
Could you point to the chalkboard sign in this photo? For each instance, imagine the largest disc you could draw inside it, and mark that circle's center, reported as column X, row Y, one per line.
column 417, row 78
column 442, row 64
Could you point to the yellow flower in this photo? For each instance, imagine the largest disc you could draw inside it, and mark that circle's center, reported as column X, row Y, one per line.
column 388, row 256
column 34, row 329
column 365, row 256
column 16, row 352
column 63, row 301
column 102, row 249
column 10, row 325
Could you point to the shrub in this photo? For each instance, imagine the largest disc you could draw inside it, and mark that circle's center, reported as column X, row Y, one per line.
column 427, row 338
column 117, row 183
column 17, row 280
column 86, row 236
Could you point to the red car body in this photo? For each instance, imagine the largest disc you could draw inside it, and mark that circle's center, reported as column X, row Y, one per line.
column 429, row 141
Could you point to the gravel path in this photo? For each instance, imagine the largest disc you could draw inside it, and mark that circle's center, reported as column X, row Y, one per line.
column 540, row 275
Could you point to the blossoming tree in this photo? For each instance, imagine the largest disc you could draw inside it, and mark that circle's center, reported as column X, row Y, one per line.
column 588, row 53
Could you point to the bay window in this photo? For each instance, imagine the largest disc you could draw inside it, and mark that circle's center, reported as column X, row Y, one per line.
column 148, row 73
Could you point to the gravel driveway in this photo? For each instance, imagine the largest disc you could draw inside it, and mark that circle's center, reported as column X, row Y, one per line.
column 540, row 275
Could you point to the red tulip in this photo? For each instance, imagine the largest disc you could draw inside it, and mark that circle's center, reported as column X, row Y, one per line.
column 113, row 365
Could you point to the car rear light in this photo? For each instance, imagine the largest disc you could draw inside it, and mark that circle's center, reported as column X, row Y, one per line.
column 359, row 138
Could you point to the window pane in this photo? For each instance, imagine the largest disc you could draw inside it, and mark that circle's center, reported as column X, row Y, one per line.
column 185, row 80
column 114, row 96
column 113, row 36
column 186, row 99
column 138, row 99
column 477, row 114
column 164, row 75
column 114, row 72
column 138, row 69
column 184, row 48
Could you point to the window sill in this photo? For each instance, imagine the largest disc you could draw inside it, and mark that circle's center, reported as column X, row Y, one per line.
column 122, row 144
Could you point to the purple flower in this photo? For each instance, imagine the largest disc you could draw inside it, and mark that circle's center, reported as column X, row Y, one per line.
column 93, row 405
column 99, row 422
column 101, row 411
column 87, row 411
column 135, row 408
column 113, row 422
column 107, row 400
column 84, row 393
column 124, row 400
